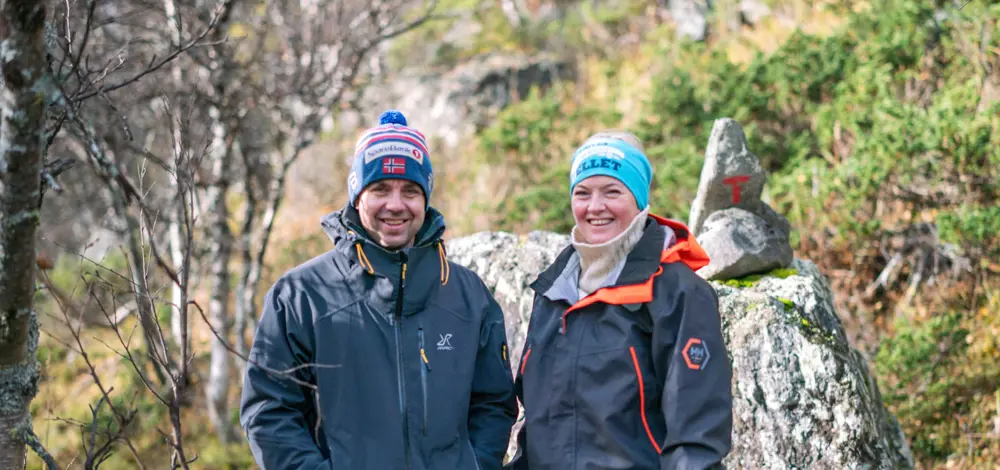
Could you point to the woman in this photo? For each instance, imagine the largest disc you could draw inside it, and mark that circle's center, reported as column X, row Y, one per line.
column 624, row 365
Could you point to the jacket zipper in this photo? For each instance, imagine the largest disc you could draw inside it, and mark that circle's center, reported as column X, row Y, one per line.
column 425, row 367
column 399, row 361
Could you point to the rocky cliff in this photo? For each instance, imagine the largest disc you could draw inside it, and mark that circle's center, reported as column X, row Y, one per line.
column 803, row 397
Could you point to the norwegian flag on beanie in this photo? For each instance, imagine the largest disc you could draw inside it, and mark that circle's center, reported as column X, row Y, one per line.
column 390, row 150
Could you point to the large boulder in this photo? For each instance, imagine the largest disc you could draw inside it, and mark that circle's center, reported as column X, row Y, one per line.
column 803, row 397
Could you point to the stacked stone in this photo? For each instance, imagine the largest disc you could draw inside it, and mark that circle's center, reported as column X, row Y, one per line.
column 741, row 233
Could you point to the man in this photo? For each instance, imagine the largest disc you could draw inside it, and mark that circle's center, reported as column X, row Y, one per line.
column 381, row 354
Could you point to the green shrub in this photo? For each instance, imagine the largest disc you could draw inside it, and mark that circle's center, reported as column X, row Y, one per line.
column 937, row 374
column 534, row 140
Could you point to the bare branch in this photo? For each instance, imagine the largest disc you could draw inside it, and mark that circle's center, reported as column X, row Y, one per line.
column 156, row 65
column 285, row 373
column 105, row 392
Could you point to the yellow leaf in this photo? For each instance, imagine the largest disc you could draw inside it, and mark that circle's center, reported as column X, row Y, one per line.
column 239, row 30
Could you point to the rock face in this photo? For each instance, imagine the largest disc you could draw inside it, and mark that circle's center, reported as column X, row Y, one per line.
column 741, row 234
column 739, row 243
column 453, row 105
column 690, row 18
column 508, row 264
column 803, row 398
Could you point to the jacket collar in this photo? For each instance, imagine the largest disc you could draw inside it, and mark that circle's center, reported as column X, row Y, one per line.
column 426, row 261
column 643, row 262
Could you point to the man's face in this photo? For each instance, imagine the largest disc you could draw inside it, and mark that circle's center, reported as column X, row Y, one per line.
column 392, row 211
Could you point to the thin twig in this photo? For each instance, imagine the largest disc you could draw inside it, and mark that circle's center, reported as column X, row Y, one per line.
column 152, row 67
column 122, row 422
column 286, row 373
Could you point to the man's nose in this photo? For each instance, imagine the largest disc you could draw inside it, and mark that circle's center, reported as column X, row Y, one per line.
column 395, row 202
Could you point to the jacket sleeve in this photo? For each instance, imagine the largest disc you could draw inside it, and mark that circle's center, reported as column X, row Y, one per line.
column 277, row 406
column 493, row 406
column 697, row 393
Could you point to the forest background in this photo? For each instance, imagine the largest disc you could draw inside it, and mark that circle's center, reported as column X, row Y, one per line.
column 190, row 147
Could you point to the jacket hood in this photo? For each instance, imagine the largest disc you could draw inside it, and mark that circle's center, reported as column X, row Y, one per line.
column 686, row 250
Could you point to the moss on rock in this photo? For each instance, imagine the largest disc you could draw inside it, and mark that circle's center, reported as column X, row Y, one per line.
column 752, row 279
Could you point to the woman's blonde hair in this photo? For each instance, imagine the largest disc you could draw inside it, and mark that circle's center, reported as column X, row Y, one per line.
column 624, row 136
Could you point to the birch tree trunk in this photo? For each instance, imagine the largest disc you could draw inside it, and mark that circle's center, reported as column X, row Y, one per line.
column 176, row 246
column 249, row 283
column 22, row 121
column 175, row 239
column 221, row 250
column 511, row 11
column 139, row 269
column 245, row 300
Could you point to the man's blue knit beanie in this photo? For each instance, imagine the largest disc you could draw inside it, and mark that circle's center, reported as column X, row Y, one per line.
column 617, row 159
column 391, row 150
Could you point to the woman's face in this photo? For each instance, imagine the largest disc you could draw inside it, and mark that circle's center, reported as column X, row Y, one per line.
column 603, row 208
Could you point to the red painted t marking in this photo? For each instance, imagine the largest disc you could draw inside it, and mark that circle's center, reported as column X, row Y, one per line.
column 736, row 182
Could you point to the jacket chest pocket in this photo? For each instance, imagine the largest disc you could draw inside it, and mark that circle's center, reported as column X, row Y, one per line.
column 606, row 328
column 444, row 349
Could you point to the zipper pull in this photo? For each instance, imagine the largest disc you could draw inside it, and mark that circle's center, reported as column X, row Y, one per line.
column 423, row 355
column 402, row 276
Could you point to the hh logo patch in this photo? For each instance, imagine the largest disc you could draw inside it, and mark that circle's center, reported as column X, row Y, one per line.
column 696, row 354
column 394, row 166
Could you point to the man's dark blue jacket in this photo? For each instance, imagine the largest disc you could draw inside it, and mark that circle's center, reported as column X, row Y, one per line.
column 370, row 359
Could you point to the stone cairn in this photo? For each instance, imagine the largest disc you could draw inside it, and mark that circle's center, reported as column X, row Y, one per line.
column 741, row 234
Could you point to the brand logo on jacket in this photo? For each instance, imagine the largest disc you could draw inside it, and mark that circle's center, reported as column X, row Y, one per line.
column 445, row 343
column 696, row 354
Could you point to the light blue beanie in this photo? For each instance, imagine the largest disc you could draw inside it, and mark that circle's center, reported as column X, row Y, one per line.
column 617, row 159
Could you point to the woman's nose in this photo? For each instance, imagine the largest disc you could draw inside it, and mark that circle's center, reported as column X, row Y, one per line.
column 596, row 204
